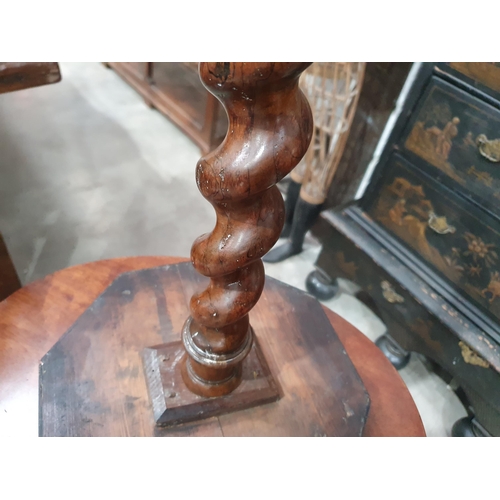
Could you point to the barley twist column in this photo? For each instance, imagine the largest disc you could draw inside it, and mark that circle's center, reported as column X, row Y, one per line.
column 270, row 127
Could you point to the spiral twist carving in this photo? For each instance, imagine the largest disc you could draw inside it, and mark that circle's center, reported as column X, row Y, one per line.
column 270, row 127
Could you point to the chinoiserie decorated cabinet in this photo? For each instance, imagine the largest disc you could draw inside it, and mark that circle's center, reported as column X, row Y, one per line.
column 423, row 242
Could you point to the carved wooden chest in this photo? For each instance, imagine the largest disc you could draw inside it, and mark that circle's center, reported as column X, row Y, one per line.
column 423, row 242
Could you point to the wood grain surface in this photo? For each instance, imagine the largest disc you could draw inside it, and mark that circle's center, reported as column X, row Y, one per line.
column 92, row 381
column 25, row 75
column 34, row 318
column 173, row 403
column 270, row 127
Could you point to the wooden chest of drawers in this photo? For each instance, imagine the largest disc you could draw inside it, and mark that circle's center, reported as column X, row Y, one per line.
column 176, row 91
column 423, row 242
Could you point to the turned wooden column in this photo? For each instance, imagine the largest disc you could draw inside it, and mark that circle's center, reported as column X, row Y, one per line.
column 216, row 380
column 270, row 127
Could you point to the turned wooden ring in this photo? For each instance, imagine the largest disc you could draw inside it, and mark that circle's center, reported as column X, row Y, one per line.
column 210, row 359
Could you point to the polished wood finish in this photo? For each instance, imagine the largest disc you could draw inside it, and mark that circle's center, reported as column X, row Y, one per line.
column 34, row 318
column 176, row 91
column 173, row 403
column 92, row 382
column 24, row 75
column 270, row 128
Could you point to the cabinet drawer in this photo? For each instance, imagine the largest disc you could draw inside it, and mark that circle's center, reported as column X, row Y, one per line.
column 415, row 315
column 456, row 138
column 485, row 76
column 455, row 238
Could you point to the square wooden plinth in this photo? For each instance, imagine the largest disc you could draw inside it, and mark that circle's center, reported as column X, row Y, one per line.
column 173, row 403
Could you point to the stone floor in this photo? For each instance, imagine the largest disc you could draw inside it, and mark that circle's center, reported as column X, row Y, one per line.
column 88, row 172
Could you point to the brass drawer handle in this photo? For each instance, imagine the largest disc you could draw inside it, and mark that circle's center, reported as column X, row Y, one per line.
column 439, row 224
column 490, row 149
column 390, row 294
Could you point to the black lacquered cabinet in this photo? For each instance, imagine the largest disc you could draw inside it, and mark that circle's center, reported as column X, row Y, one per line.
column 423, row 242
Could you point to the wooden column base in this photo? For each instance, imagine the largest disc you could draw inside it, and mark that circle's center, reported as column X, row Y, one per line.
column 92, row 380
column 173, row 403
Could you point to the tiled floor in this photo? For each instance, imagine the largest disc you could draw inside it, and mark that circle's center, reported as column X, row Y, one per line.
column 89, row 172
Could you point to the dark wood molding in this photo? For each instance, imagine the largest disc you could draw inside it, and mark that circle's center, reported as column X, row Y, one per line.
column 25, row 75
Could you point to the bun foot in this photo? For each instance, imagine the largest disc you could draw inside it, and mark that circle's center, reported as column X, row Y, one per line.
column 395, row 354
column 463, row 428
column 468, row 427
column 320, row 285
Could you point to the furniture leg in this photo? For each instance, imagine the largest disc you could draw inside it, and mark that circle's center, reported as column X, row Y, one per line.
column 292, row 197
column 398, row 357
column 304, row 217
column 463, row 428
column 469, row 427
column 319, row 284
